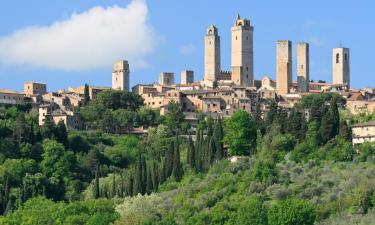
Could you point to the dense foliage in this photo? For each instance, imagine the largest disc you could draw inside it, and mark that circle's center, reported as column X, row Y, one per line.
column 297, row 166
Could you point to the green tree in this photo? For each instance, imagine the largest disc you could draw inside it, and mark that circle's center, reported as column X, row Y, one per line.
column 252, row 212
column 174, row 117
column 177, row 167
column 240, row 133
column 61, row 133
column 291, row 212
column 86, row 95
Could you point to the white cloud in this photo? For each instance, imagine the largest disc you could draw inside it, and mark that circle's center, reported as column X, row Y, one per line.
column 187, row 49
column 316, row 41
column 88, row 40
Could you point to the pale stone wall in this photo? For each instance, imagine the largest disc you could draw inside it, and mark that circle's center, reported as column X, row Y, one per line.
column 166, row 79
column 303, row 67
column 362, row 133
column 242, row 53
column 283, row 66
column 11, row 97
column 34, row 88
column 187, row 77
column 211, row 55
column 341, row 66
column 120, row 75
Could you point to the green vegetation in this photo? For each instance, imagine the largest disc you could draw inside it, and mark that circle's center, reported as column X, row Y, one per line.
column 297, row 166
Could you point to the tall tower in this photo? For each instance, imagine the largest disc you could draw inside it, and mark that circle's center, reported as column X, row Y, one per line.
column 341, row 66
column 211, row 55
column 303, row 67
column 242, row 52
column 187, row 77
column 120, row 75
column 283, row 66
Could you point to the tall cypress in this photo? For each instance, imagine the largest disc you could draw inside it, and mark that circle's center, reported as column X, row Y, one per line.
column 335, row 117
column 177, row 168
column 138, row 176
column 122, row 187
column 144, row 175
column 149, row 186
column 113, row 185
column 154, row 176
column 96, row 183
column 191, row 155
column 211, row 151
column 61, row 133
column 168, row 160
column 86, row 95
column 326, row 125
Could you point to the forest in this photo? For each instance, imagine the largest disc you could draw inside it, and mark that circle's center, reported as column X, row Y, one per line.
column 294, row 166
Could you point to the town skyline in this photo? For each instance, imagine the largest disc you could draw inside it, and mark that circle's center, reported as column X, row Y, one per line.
column 191, row 54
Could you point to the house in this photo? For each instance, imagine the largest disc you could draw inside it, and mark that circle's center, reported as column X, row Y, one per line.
column 363, row 132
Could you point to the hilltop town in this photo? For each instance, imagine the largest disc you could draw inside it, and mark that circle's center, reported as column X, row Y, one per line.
column 220, row 93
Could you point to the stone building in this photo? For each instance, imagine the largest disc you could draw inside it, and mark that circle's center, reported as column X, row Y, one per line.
column 93, row 90
column 212, row 59
column 11, row 97
column 34, row 88
column 187, row 77
column 242, row 53
column 363, row 132
column 283, row 66
column 303, row 67
column 166, row 79
column 341, row 66
column 120, row 75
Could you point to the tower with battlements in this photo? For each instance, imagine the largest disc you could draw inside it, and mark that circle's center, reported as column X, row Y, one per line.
column 341, row 66
column 120, row 75
column 211, row 56
column 303, row 67
column 242, row 53
column 283, row 66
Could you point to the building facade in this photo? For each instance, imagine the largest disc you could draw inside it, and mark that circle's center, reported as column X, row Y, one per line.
column 120, row 75
column 212, row 56
column 283, row 66
column 242, row 53
column 341, row 66
column 303, row 67
column 34, row 88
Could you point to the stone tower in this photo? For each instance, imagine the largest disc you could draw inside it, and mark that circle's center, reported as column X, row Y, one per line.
column 166, row 79
column 187, row 77
column 341, row 66
column 242, row 52
column 303, row 67
column 283, row 66
column 211, row 55
column 120, row 75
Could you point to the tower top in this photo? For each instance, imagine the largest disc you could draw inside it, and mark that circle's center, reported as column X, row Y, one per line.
column 242, row 22
column 212, row 30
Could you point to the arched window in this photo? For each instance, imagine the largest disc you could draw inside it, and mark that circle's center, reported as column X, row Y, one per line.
column 337, row 57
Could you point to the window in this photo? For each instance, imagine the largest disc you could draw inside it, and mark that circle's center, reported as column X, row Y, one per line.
column 346, row 58
column 337, row 58
column 236, row 37
column 247, row 38
column 301, row 67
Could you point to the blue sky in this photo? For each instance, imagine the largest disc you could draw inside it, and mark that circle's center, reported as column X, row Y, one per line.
column 46, row 45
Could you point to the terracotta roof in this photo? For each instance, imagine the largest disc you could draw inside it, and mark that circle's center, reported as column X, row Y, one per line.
column 188, row 85
column 6, row 91
column 355, row 97
column 366, row 124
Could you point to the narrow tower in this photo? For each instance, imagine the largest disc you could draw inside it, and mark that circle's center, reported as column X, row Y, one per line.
column 242, row 52
column 341, row 66
column 120, row 75
column 283, row 66
column 211, row 56
column 303, row 73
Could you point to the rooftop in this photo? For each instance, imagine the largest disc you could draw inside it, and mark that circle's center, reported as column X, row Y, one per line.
column 366, row 124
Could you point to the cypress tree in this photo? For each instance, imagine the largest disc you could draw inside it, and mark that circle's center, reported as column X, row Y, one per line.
column 162, row 174
column 61, row 133
column 130, row 184
column 86, row 95
column 122, row 187
column 197, row 151
column 168, row 160
column 345, row 131
column 96, row 183
column 191, row 155
column 138, row 176
column 218, row 140
column 211, row 151
column 114, row 185
column 326, row 126
column 154, row 176
column 335, row 117
column 149, row 186
column 144, row 175
column 177, row 168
